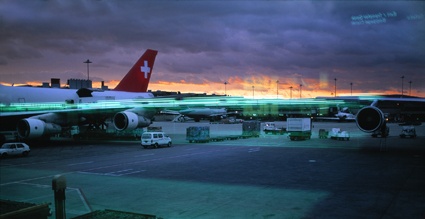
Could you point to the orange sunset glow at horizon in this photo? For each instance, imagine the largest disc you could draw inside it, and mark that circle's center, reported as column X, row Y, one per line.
column 257, row 87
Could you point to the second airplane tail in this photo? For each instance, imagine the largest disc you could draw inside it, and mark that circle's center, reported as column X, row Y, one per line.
column 137, row 79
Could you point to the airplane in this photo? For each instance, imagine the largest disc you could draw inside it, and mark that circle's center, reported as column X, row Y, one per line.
column 342, row 115
column 373, row 118
column 40, row 123
column 345, row 115
column 205, row 113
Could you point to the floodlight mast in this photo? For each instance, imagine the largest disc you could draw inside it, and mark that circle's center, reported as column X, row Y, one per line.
column 88, row 72
column 402, row 82
column 335, row 87
column 290, row 91
column 277, row 89
column 300, row 89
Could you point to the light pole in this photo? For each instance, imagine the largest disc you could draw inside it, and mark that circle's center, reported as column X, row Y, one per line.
column 225, row 91
column 300, row 89
column 402, row 82
column 290, row 93
column 277, row 89
column 351, row 87
column 410, row 88
column 88, row 72
column 252, row 91
column 335, row 87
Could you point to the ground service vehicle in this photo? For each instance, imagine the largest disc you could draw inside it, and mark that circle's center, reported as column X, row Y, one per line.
column 298, row 128
column 155, row 139
column 338, row 134
column 408, row 131
column 270, row 127
column 382, row 132
column 14, row 149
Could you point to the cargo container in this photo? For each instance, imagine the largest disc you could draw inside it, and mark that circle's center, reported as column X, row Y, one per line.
column 251, row 128
column 198, row 134
column 298, row 128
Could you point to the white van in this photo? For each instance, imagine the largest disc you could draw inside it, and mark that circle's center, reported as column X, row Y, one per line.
column 155, row 139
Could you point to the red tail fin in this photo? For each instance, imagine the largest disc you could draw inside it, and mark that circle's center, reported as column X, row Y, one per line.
column 137, row 79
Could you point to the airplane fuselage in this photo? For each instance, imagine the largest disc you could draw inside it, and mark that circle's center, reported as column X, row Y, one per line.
column 57, row 95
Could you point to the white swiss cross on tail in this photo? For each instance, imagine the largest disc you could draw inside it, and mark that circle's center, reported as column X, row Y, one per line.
column 145, row 69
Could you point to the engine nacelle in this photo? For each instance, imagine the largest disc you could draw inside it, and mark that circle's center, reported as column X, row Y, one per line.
column 370, row 119
column 35, row 128
column 130, row 121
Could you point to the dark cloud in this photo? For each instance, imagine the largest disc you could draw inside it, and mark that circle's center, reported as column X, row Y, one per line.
column 209, row 41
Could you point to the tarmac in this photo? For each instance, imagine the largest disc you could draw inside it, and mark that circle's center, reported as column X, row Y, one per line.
column 265, row 177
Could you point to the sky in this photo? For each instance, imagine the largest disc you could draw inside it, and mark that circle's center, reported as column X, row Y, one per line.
column 260, row 48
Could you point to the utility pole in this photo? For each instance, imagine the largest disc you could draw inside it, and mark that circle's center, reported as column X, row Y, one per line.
column 351, row 86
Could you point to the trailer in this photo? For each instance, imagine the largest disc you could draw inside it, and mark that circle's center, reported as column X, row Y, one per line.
column 298, row 128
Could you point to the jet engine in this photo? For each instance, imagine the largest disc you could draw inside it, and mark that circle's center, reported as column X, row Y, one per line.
column 370, row 119
column 34, row 128
column 129, row 121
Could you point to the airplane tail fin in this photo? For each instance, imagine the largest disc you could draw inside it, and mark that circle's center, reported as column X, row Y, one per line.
column 137, row 79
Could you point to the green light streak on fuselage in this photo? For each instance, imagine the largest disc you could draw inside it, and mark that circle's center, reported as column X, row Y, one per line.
column 247, row 105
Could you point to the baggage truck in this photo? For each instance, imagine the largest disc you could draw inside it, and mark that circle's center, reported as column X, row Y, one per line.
column 198, row 134
column 298, row 128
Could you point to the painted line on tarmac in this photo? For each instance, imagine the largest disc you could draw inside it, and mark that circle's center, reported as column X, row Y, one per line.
column 190, row 149
column 115, row 173
column 251, row 150
column 144, row 155
column 125, row 173
column 80, row 194
column 158, row 159
column 31, row 179
column 24, row 164
column 82, row 163
column 88, row 171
